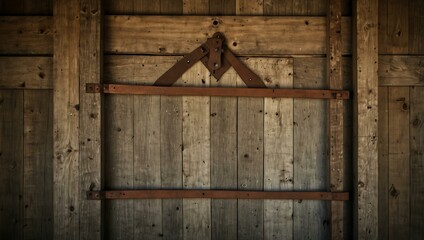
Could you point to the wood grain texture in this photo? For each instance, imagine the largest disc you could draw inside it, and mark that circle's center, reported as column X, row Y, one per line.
column 37, row 166
column 416, row 31
column 383, row 163
column 399, row 163
column 26, row 35
column 66, row 120
column 395, row 70
column 310, row 151
column 11, row 162
column 222, row 7
column 417, row 163
column 26, row 7
column 26, row 72
column 252, row 35
column 90, row 134
column 278, row 148
column 397, row 27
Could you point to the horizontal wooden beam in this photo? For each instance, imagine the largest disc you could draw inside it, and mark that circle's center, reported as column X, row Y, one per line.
column 26, row 72
column 396, row 70
column 219, row 194
column 26, row 35
column 220, row 91
column 246, row 35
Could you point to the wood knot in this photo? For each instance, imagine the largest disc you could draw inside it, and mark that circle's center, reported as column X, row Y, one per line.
column 393, row 191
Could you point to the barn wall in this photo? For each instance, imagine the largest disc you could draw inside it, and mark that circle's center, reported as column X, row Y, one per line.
column 26, row 103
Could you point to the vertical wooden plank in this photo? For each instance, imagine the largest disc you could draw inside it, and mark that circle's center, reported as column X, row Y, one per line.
column 317, row 7
column 196, row 7
column 90, row 135
column 383, row 39
column 399, row 163
column 278, row 148
column 383, row 163
column 417, row 162
column 416, row 30
column 224, row 145
column 365, row 32
column 336, row 116
column 250, row 127
column 11, row 163
column 38, row 181
column 397, row 26
column 171, row 149
column 119, row 6
column 66, row 120
column 310, row 151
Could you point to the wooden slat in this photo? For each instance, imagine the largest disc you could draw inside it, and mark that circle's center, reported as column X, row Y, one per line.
column 398, row 70
column 26, row 72
column 26, row 7
column 66, row 120
column 251, row 35
column 365, row 23
column 216, row 194
column 90, row 134
column 397, row 27
column 11, row 163
column 417, row 162
column 37, row 168
column 416, row 31
column 278, row 148
column 26, row 35
column 335, row 116
column 222, row 7
column 383, row 163
column 399, row 164
column 310, row 150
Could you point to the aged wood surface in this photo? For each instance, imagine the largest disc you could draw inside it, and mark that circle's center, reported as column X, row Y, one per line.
column 383, row 163
column 26, row 72
column 396, row 70
column 90, row 134
column 310, row 152
column 417, row 162
column 66, row 150
column 26, row 7
column 246, row 35
column 37, row 167
column 335, row 116
column 399, row 163
column 365, row 23
column 278, row 148
column 11, row 162
column 416, row 30
column 26, row 35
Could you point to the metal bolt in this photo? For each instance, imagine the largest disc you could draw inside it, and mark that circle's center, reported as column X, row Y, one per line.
column 188, row 61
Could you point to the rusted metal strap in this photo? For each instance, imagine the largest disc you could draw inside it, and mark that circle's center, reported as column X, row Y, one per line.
column 219, row 92
column 216, row 194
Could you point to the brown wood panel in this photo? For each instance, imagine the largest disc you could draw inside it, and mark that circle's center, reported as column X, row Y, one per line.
column 365, row 78
column 66, row 120
column 26, row 7
column 90, row 134
column 11, row 163
column 26, row 72
column 383, row 163
column 417, row 162
column 394, row 27
column 222, row 7
column 26, row 35
column 310, row 151
column 395, row 70
column 399, row 163
column 37, row 166
column 246, row 35
column 416, row 30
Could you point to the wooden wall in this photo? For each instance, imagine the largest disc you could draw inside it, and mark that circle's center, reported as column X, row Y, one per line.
column 401, row 114
column 211, row 129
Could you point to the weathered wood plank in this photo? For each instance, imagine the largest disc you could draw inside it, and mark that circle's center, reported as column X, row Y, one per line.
column 26, row 72
column 245, row 35
column 335, row 116
column 26, row 7
column 171, row 7
column 26, row 35
column 278, row 148
column 310, row 151
column 365, row 114
column 399, row 164
column 90, row 134
column 397, row 27
column 416, row 31
column 222, row 7
column 417, row 162
column 196, row 154
column 11, row 163
column 396, row 70
column 383, row 163
column 66, row 120
column 37, row 167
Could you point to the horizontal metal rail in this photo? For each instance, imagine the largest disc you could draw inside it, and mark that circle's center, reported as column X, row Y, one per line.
column 217, row 194
column 214, row 91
